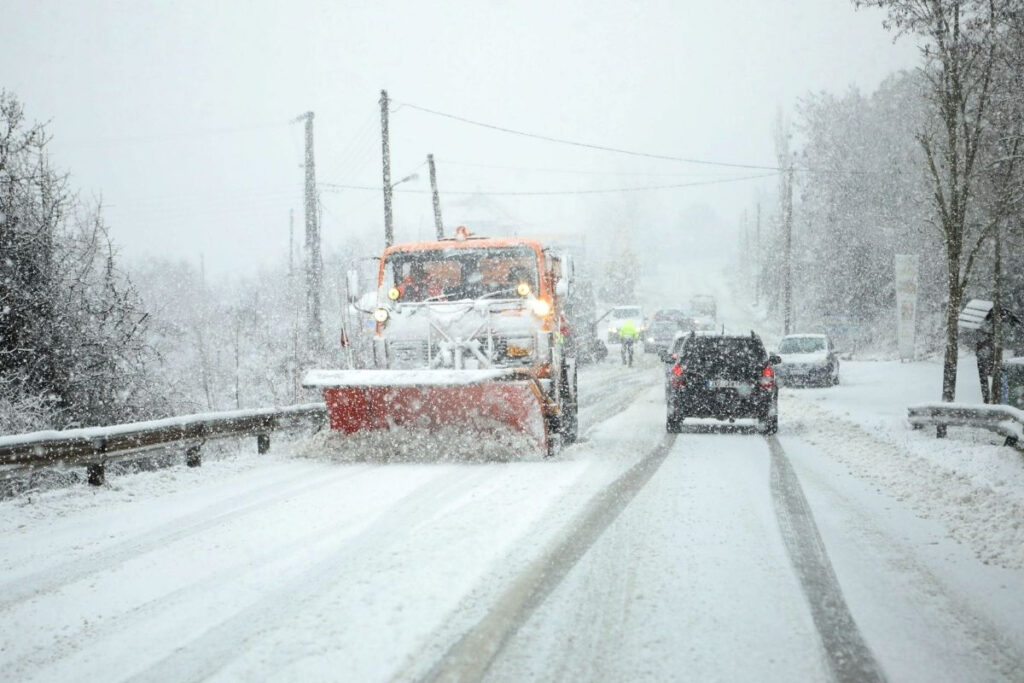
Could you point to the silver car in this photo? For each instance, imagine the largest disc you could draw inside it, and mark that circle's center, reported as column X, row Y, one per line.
column 808, row 359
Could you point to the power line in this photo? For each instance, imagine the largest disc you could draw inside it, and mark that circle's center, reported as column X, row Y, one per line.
column 352, row 154
column 585, row 145
column 548, row 193
column 575, row 171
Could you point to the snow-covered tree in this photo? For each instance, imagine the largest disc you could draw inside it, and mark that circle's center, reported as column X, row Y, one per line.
column 863, row 199
column 72, row 349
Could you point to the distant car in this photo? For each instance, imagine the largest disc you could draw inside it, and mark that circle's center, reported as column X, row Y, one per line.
column 704, row 324
column 721, row 376
column 668, row 314
column 808, row 359
column 620, row 314
column 662, row 332
column 704, row 306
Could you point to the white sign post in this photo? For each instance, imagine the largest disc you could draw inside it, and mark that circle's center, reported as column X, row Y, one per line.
column 906, row 304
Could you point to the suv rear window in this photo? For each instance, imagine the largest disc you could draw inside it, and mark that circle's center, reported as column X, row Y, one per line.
column 710, row 354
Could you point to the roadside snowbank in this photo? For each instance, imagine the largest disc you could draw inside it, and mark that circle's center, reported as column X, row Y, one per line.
column 969, row 481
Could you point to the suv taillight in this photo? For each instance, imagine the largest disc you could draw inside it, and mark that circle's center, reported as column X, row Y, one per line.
column 767, row 380
column 678, row 376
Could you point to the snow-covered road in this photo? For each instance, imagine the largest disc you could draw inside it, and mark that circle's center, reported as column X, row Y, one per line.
column 630, row 556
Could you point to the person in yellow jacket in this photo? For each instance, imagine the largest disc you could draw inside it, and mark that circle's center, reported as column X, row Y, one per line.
column 628, row 334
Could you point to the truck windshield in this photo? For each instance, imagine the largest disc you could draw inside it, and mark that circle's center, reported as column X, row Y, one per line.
column 453, row 274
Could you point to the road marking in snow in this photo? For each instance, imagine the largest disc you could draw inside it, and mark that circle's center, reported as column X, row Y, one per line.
column 849, row 657
column 67, row 572
column 209, row 652
column 469, row 658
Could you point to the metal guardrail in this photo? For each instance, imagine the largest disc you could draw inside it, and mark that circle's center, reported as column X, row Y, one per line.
column 1004, row 420
column 94, row 446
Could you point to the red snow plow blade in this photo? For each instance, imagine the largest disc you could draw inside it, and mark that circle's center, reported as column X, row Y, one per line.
column 480, row 401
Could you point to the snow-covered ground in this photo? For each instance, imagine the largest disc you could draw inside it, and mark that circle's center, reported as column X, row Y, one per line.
column 613, row 561
column 969, row 480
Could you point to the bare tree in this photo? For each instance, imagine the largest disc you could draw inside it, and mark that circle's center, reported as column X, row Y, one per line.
column 1003, row 177
column 959, row 52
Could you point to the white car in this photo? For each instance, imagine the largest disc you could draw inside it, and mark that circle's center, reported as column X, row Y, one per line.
column 808, row 359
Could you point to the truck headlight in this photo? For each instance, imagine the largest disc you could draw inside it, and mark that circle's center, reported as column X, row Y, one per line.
column 540, row 307
column 380, row 315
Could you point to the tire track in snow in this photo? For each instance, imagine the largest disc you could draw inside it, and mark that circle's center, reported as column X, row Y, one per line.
column 848, row 656
column 605, row 398
column 217, row 647
column 929, row 593
column 611, row 406
column 52, row 578
column 469, row 658
column 152, row 610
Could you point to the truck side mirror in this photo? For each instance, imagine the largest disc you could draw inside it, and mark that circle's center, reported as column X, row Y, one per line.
column 774, row 359
column 561, row 288
column 367, row 302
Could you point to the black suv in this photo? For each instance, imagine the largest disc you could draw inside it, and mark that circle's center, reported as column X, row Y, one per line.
column 721, row 376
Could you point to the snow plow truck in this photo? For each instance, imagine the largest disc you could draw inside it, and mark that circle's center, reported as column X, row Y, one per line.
column 469, row 334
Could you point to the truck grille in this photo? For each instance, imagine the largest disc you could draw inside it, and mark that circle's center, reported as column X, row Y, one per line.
column 408, row 355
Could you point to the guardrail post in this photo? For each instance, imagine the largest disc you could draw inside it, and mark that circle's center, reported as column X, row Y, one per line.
column 95, row 474
column 193, row 458
column 267, row 425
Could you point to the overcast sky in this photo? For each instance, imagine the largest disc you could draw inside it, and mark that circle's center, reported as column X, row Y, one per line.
column 179, row 113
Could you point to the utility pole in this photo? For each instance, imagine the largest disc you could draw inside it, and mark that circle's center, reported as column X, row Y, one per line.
column 787, row 292
column 437, row 199
column 314, row 261
column 389, row 230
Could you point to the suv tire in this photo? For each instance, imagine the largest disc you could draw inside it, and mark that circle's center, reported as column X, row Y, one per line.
column 770, row 425
column 673, row 422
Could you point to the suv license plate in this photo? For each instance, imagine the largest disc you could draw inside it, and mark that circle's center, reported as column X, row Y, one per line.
column 726, row 384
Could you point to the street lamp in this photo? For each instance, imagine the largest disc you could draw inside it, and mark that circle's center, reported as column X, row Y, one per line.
column 411, row 176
